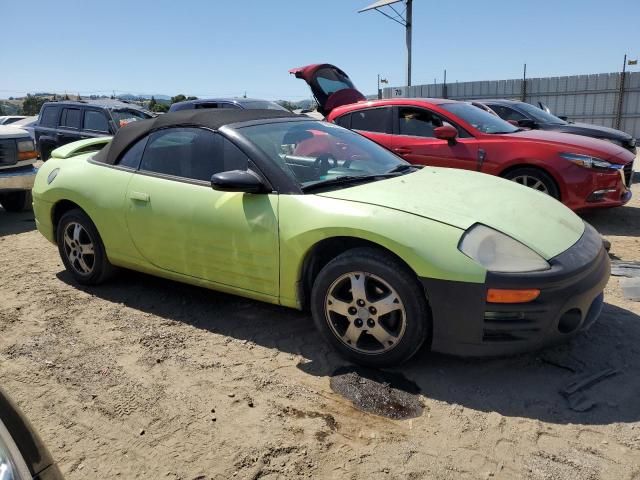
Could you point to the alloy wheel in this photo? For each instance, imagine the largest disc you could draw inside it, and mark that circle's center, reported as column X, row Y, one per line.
column 531, row 182
column 365, row 313
column 79, row 248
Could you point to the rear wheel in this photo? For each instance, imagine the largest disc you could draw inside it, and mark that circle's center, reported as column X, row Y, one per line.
column 370, row 307
column 15, row 201
column 81, row 248
column 536, row 179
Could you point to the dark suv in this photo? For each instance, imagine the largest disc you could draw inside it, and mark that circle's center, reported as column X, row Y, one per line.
column 245, row 103
column 529, row 116
column 67, row 121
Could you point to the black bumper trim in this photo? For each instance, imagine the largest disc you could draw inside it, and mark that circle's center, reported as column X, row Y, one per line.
column 570, row 301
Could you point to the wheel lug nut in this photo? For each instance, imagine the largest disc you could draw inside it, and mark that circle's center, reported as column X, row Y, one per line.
column 358, row 323
column 372, row 310
column 352, row 310
column 371, row 323
column 360, row 303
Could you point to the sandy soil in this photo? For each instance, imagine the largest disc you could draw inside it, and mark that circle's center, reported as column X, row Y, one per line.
column 145, row 378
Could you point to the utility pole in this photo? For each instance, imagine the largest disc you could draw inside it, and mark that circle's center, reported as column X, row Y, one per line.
column 621, row 94
column 406, row 22
column 381, row 80
column 524, row 84
column 444, row 85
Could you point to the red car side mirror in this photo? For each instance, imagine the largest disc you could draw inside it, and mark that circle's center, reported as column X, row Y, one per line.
column 446, row 132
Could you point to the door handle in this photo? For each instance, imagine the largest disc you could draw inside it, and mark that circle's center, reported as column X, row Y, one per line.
column 402, row 150
column 140, row 196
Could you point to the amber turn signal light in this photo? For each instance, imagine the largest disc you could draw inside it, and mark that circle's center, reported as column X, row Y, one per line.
column 498, row 295
column 27, row 155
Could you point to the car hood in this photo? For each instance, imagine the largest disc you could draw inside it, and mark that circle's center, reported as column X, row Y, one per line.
column 571, row 143
column 7, row 131
column 600, row 131
column 462, row 198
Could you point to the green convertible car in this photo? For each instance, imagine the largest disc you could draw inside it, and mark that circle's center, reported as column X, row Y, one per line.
column 306, row 214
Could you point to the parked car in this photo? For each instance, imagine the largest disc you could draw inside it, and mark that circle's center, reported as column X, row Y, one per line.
column 23, row 456
column 583, row 173
column 63, row 122
column 388, row 256
column 530, row 116
column 28, row 124
column 17, row 172
column 7, row 119
column 238, row 103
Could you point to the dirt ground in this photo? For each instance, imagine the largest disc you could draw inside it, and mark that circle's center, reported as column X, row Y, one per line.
column 146, row 378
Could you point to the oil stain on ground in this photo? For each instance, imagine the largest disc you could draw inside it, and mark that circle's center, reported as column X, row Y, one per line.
column 387, row 394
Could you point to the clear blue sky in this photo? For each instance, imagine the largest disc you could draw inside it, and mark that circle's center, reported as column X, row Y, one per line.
column 227, row 47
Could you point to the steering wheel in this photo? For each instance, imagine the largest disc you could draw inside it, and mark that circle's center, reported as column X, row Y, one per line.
column 323, row 163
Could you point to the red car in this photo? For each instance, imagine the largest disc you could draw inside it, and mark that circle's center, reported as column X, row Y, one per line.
column 582, row 172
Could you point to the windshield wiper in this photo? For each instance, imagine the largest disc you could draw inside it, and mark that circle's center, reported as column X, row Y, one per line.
column 400, row 168
column 343, row 180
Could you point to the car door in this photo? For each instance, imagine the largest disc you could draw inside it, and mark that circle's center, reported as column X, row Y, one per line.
column 180, row 224
column 414, row 140
column 374, row 123
column 69, row 127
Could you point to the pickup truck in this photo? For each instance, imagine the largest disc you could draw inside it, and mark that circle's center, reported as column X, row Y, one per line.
column 17, row 170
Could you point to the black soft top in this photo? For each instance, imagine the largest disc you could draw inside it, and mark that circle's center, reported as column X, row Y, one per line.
column 210, row 118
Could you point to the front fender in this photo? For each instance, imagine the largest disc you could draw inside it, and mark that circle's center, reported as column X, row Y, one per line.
column 428, row 247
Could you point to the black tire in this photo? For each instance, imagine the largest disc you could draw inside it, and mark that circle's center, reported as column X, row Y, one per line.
column 15, row 201
column 45, row 152
column 377, row 266
column 99, row 269
column 535, row 175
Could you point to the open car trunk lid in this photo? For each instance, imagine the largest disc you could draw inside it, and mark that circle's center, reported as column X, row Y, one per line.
column 331, row 87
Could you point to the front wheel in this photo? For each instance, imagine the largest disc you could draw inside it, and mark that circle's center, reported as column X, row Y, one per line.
column 81, row 248
column 536, row 179
column 371, row 308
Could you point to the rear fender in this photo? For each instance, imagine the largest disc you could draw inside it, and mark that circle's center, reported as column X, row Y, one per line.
column 81, row 146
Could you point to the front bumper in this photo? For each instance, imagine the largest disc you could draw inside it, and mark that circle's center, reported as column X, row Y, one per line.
column 16, row 179
column 570, row 300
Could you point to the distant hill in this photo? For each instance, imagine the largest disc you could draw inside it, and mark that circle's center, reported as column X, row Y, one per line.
column 143, row 96
column 10, row 107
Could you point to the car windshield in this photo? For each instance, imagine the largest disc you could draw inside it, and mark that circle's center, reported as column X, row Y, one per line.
column 540, row 115
column 314, row 153
column 263, row 105
column 479, row 119
column 122, row 116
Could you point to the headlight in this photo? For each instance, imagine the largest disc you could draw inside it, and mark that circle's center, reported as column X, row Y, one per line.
column 498, row 252
column 26, row 145
column 589, row 162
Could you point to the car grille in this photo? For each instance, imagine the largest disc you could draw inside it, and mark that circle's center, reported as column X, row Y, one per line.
column 8, row 152
column 628, row 174
column 504, row 326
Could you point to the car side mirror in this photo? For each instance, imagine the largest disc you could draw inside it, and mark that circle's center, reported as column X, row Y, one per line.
column 527, row 123
column 238, row 181
column 513, row 122
column 446, row 132
column 563, row 117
